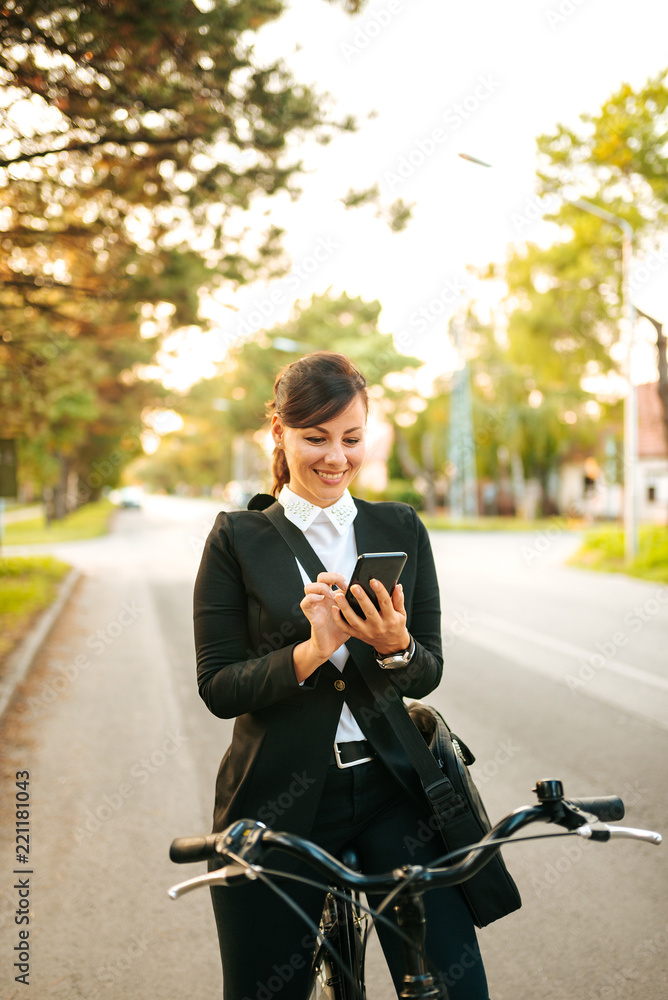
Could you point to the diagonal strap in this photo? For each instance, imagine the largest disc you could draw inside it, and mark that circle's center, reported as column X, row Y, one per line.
column 296, row 540
column 437, row 786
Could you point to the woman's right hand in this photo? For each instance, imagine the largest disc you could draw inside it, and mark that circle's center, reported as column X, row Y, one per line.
column 326, row 636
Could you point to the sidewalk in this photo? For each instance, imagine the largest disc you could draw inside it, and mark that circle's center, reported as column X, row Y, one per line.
column 23, row 513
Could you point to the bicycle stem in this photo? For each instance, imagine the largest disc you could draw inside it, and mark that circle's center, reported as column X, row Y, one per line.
column 411, row 919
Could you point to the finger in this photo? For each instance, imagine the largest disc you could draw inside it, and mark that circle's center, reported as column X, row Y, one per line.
column 311, row 601
column 364, row 601
column 318, row 588
column 398, row 599
column 341, row 622
column 333, row 580
column 382, row 595
column 341, row 603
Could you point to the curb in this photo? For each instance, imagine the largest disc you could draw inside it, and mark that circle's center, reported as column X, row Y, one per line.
column 20, row 661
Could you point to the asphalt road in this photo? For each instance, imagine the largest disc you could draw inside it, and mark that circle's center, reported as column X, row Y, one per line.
column 551, row 672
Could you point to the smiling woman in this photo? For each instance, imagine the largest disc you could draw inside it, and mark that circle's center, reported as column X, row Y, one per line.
column 285, row 654
column 318, row 425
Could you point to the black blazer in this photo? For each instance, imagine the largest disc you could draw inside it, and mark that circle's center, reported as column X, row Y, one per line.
column 247, row 622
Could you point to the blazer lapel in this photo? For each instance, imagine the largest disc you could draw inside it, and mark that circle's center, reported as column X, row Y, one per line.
column 370, row 533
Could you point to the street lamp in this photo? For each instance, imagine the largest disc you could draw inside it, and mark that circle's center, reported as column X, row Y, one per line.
column 463, row 480
column 631, row 398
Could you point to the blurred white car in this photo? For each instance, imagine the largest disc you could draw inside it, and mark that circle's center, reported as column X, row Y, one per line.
column 129, row 497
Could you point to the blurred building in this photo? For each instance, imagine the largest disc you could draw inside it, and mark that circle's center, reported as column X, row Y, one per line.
column 652, row 456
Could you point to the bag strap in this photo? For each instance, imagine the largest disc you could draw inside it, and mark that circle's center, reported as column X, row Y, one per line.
column 438, row 788
column 294, row 537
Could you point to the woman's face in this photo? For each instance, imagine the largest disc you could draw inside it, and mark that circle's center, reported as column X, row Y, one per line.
column 324, row 459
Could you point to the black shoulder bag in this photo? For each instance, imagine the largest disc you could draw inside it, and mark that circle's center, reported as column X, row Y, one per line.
column 440, row 758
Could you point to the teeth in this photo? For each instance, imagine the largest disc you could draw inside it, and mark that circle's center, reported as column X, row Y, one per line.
column 330, row 475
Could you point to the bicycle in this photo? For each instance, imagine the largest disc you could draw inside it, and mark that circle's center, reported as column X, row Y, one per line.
column 337, row 970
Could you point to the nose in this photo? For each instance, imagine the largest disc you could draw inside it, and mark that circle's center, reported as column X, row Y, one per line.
column 335, row 455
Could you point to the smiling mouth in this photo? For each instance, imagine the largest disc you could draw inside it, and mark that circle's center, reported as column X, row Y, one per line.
column 330, row 477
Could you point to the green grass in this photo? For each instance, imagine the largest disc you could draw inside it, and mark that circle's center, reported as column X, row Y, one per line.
column 89, row 521
column 603, row 549
column 27, row 586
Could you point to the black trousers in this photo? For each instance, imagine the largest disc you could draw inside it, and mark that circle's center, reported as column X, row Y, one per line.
column 266, row 948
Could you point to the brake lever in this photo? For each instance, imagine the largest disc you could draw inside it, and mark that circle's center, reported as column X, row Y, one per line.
column 602, row 831
column 229, row 875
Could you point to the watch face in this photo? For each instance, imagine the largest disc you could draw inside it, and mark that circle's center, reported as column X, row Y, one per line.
column 395, row 660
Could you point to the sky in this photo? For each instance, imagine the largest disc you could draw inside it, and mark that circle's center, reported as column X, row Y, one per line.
column 437, row 78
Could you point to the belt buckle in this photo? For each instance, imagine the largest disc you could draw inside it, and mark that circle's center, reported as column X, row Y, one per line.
column 353, row 763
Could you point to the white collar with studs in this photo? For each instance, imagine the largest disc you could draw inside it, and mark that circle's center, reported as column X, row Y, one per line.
column 303, row 514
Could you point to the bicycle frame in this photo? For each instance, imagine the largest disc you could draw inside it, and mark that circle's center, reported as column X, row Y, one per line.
column 341, row 927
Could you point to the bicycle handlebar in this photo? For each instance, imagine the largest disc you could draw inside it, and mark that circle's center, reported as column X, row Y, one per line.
column 607, row 808
column 183, row 850
column 244, row 843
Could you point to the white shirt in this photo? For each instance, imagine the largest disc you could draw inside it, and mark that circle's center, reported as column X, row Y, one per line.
column 329, row 530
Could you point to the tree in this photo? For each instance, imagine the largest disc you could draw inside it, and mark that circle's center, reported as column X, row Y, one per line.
column 134, row 136
column 520, row 432
column 345, row 324
column 566, row 299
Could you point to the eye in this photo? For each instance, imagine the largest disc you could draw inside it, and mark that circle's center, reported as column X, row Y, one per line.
column 352, row 441
column 315, row 440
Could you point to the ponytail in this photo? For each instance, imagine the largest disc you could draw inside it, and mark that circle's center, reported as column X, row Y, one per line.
column 280, row 471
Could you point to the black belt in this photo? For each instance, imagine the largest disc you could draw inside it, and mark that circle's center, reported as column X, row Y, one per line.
column 351, row 752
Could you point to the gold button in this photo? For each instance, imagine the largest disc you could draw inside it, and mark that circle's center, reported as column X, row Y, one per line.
column 340, row 685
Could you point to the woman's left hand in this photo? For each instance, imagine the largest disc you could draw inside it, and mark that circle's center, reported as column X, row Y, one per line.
column 384, row 628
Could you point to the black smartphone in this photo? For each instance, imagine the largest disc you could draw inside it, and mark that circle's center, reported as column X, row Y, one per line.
column 383, row 566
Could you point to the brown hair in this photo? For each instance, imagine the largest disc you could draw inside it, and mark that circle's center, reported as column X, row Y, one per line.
column 311, row 391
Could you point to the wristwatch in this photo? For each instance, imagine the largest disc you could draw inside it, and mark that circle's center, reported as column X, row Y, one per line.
column 399, row 659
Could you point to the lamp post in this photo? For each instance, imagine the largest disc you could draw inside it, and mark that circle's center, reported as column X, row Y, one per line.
column 631, row 398
column 463, row 483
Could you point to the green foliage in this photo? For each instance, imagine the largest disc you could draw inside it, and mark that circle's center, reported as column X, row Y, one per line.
column 89, row 521
column 27, row 586
column 511, row 416
column 603, row 549
column 344, row 324
column 397, row 490
column 620, row 149
column 233, row 403
column 397, row 215
column 567, row 298
column 134, row 136
column 47, row 567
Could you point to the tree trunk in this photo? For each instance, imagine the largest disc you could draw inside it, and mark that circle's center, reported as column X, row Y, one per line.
column 413, row 470
column 429, row 472
column 60, row 490
column 409, row 466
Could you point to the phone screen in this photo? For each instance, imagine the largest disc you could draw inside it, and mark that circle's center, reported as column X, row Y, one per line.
column 383, row 566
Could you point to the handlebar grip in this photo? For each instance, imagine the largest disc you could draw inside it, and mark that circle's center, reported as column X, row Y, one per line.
column 608, row 808
column 184, row 850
